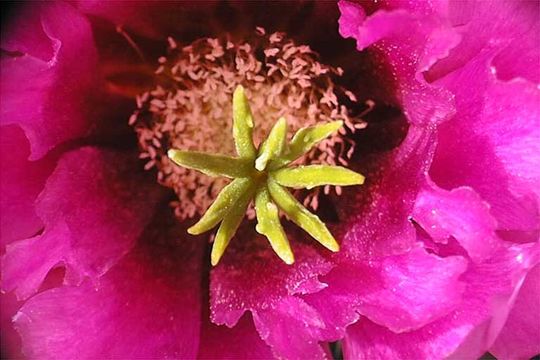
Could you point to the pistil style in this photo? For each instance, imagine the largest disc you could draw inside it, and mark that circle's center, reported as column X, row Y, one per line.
column 262, row 174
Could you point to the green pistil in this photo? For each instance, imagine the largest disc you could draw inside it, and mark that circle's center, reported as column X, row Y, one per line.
column 262, row 175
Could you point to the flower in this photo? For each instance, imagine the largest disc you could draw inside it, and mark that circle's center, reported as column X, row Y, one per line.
column 438, row 251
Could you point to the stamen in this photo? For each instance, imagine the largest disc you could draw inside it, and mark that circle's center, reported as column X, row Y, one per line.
column 131, row 42
column 191, row 109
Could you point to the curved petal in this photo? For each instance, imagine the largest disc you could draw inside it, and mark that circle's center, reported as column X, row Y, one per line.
column 401, row 292
column 23, row 31
column 460, row 48
column 240, row 342
column 488, row 296
column 272, row 295
column 521, row 57
column 409, row 40
column 493, row 141
column 291, row 328
column 377, row 237
column 146, row 307
column 508, row 28
column 10, row 342
column 460, row 213
column 490, row 146
column 93, row 208
column 20, row 183
column 51, row 99
column 498, row 131
column 376, row 218
column 520, row 336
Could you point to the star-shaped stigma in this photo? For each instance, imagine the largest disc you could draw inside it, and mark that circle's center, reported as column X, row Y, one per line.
column 263, row 174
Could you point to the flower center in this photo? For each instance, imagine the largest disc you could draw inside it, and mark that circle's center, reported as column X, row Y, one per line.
column 262, row 175
column 191, row 109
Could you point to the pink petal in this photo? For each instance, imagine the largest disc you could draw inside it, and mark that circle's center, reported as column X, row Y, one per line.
column 377, row 222
column 489, row 293
column 378, row 229
column 492, row 143
column 408, row 291
column 10, row 345
column 412, row 36
column 438, row 52
column 459, row 213
column 518, row 146
column 51, row 99
column 522, row 56
column 146, row 307
column 21, row 181
column 23, row 31
column 291, row 328
column 272, row 294
column 507, row 28
column 498, row 130
column 401, row 292
column 352, row 17
column 409, row 43
column 27, row 262
column 520, row 337
column 240, row 342
column 117, row 203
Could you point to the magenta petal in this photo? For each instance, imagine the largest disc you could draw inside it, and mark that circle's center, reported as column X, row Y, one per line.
column 378, row 233
column 490, row 288
column 27, row 262
column 352, row 16
column 49, row 98
column 497, row 125
column 492, row 144
column 409, row 43
column 291, row 327
column 272, row 293
column 146, row 307
column 522, row 56
column 87, row 239
column 520, row 337
column 23, row 31
column 270, row 279
column 459, row 213
column 401, row 292
column 21, row 181
column 379, row 224
column 10, row 341
column 367, row 341
column 518, row 146
column 240, row 342
column 407, row 291
column 509, row 29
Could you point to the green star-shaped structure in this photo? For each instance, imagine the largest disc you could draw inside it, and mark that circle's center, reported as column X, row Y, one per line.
column 263, row 174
